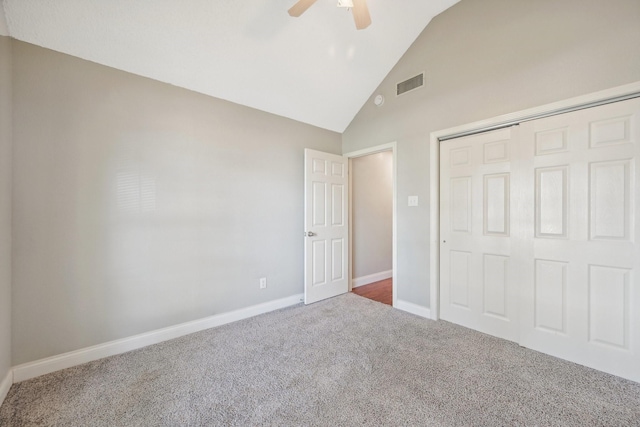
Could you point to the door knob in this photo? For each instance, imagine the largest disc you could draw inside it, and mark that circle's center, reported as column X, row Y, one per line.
column 311, row 234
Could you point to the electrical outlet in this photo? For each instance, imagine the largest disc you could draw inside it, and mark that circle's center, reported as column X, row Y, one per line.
column 263, row 283
column 413, row 201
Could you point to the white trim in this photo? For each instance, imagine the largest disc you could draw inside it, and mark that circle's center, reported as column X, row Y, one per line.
column 372, row 278
column 393, row 147
column 434, row 226
column 78, row 357
column 412, row 308
column 434, row 148
column 5, row 385
column 371, row 150
column 350, row 232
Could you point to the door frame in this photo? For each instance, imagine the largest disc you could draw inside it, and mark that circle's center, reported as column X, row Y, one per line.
column 392, row 147
column 579, row 102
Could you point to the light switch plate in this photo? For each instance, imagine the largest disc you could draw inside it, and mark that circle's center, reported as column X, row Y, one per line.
column 413, row 200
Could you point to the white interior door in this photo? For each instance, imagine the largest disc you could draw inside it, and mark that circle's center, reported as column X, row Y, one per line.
column 326, row 226
column 581, row 275
column 565, row 237
column 476, row 272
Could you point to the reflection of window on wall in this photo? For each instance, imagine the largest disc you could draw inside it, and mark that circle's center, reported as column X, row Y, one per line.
column 135, row 188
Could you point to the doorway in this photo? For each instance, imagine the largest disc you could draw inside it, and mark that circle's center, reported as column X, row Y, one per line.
column 372, row 207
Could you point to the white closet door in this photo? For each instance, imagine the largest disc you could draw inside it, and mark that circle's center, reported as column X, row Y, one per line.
column 477, row 274
column 581, row 271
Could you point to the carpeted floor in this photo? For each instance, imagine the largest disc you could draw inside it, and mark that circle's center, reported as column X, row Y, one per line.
column 341, row 362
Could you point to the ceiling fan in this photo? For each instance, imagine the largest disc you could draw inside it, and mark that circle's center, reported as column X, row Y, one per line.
column 358, row 7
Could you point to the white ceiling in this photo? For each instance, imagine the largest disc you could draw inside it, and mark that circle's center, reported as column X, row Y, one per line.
column 317, row 69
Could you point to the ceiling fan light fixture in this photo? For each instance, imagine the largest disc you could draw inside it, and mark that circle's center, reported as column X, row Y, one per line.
column 358, row 8
column 345, row 3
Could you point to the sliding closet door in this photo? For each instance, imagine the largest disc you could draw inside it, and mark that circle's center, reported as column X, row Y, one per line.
column 540, row 235
column 477, row 282
column 581, row 288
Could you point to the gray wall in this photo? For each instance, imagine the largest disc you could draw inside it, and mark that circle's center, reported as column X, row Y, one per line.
column 139, row 205
column 484, row 58
column 372, row 204
column 5, row 206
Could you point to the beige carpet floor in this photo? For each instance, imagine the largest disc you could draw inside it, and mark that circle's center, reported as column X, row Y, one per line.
column 346, row 361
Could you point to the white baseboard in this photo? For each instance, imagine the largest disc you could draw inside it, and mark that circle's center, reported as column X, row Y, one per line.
column 412, row 308
column 5, row 385
column 78, row 357
column 371, row 278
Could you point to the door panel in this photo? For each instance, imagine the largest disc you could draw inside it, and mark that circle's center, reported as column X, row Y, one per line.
column 495, row 285
column 554, row 200
column 552, row 205
column 459, row 278
column 460, row 211
column 496, row 204
column 581, row 299
column 326, row 228
column 610, row 200
column 550, row 302
column 477, row 285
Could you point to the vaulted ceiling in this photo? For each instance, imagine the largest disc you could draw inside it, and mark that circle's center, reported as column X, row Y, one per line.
column 317, row 68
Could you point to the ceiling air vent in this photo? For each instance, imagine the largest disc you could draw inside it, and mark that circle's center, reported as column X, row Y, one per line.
column 410, row 84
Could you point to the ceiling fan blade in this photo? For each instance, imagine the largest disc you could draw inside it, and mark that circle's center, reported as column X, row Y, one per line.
column 300, row 7
column 361, row 14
